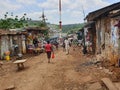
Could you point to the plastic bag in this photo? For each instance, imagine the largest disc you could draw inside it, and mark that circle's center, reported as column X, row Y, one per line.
column 53, row 56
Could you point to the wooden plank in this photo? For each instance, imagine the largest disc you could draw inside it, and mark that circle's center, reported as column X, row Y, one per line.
column 20, row 61
column 109, row 84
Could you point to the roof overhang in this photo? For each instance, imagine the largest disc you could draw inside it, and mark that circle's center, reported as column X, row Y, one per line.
column 102, row 12
column 37, row 28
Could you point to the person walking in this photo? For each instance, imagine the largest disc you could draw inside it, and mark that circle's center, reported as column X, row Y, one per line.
column 35, row 42
column 67, row 46
column 49, row 50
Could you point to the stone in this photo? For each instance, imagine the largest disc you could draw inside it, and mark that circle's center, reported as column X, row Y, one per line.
column 100, row 68
column 86, row 79
column 107, row 71
column 11, row 87
column 95, row 86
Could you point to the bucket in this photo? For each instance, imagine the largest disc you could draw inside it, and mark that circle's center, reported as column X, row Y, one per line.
column 7, row 58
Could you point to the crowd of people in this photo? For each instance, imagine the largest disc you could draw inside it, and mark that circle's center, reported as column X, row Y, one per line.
column 67, row 42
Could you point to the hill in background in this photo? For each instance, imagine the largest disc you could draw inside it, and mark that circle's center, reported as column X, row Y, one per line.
column 69, row 28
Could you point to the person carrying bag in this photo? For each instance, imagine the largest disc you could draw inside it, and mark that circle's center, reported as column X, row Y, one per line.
column 49, row 50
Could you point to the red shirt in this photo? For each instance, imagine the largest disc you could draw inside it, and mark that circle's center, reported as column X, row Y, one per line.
column 48, row 47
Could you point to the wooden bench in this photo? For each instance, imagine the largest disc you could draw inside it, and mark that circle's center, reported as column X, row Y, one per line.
column 20, row 63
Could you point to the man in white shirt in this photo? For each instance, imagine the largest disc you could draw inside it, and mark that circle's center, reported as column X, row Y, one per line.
column 67, row 45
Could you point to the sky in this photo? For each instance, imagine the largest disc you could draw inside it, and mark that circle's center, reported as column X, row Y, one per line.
column 71, row 10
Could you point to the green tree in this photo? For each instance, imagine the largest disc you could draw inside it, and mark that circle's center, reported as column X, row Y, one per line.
column 12, row 23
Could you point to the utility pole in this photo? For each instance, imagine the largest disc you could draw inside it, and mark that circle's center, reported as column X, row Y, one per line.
column 60, row 21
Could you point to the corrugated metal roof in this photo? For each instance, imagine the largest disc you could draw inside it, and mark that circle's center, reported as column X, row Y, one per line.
column 103, row 11
column 7, row 32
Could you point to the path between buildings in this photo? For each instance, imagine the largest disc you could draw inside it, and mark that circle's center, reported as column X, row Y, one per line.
column 65, row 72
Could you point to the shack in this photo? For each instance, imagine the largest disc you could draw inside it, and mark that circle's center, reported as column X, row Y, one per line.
column 10, row 41
column 40, row 33
column 107, row 36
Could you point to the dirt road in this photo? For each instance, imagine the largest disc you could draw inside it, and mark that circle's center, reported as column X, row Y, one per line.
column 65, row 72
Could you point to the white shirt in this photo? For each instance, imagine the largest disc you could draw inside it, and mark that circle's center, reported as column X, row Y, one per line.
column 66, row 44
